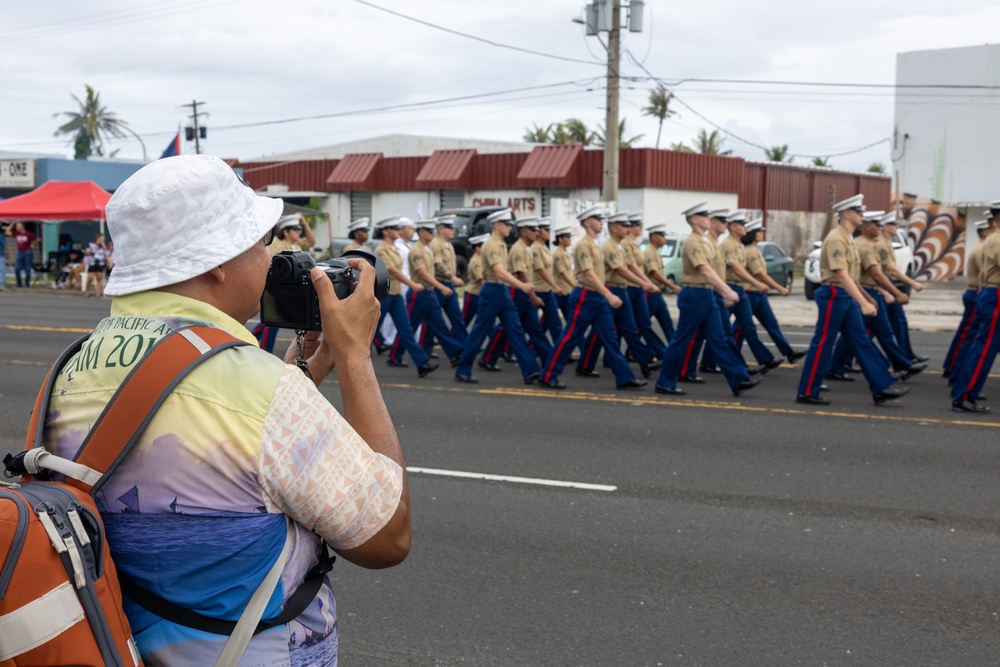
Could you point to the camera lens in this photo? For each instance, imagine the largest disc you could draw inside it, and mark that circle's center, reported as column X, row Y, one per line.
column 281, row 268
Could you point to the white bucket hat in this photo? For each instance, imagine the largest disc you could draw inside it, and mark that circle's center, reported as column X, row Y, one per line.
column 179, row 217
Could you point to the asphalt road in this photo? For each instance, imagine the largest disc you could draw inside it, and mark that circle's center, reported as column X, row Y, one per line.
column 742, row 532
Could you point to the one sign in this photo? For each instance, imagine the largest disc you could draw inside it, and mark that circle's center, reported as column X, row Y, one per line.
column 524, row 203
column 17, row 174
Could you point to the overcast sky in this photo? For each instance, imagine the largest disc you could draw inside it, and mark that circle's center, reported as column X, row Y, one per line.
column 258, row 63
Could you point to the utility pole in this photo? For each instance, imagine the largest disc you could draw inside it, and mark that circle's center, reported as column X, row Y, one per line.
column 194, row 132
column 610, row 189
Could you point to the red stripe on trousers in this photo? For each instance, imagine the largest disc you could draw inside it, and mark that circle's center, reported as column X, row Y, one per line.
column 822, row 340
column 566, row 336
column 409, row 311
column 986, row 349
column 961, row 337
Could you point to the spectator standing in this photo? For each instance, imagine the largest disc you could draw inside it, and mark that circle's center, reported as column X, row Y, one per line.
column 26, row 242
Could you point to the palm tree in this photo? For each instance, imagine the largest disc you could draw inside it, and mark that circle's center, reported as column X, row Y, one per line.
column 821, row 162
column 659, row 108
column 578, row 132
column 681, row 146
column 876, row 168
column 537, row 135
column 778, row 153
column 92, row 125
column 622, row 141
column 710, row 143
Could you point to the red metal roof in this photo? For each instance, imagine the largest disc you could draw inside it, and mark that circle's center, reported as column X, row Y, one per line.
column 357, row 171
column 447, row 169
column 305, row 175
column 551, row 167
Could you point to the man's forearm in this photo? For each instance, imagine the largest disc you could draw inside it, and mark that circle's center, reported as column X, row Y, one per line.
column 713, row 278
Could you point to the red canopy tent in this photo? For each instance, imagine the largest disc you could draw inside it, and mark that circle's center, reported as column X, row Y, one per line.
column 58, row 200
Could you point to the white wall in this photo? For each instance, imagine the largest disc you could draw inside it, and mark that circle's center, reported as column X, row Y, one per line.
column 668, row 205
column 406, row 204
column 954, row 135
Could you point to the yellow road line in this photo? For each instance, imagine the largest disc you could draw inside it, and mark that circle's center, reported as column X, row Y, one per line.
column 18, row 362
column 26, row 327
column 690, row 403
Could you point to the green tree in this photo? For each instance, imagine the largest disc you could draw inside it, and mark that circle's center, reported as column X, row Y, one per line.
column 821, row 162
column 710, row 143
column 537, row 135
column 876, row 168
column 778, row 153
column 91, row 126
column 681, row 146
column 579, row 133
column 659, row 108
column 622, row 141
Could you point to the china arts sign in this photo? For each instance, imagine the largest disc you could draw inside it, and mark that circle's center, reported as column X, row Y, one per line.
column 17, row 174
column 524, row 203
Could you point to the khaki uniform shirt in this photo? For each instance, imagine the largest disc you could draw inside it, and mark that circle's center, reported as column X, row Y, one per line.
column 756, row 264
column 445, row 264
column 839, row 252
column 519, row 261
column 353, row 245
column 541, row 259
column 277, row 245
column 651, row 261
column 587, row 255
column 475, row 275
column 614, row 257
column 733, row 253
column 494, row 252
column 421, row 257
column 562, row 263
column 868, row 253
column 719, row 262
column 989, row 271
column 633, row 253
column 392, row 260
column 974, row 268
column 697, row 251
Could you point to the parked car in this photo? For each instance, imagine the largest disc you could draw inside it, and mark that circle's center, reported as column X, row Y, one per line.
column 901, row 249
column 780, row 266
column 670, row 253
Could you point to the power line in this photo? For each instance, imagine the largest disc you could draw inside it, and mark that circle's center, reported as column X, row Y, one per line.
column 832, row 84
column 687, row 106
column 474, row 37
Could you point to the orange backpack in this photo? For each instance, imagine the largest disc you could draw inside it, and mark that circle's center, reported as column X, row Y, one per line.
column 60, row 598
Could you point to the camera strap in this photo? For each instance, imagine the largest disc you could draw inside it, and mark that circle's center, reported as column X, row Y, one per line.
column 300, row 360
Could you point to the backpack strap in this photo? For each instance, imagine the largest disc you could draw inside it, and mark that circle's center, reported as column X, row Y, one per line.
column 134, row 404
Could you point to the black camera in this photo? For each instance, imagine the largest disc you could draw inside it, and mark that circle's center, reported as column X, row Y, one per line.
column 289, row 300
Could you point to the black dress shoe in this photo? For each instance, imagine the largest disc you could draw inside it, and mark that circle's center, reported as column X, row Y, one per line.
column 573, row 359
column 771, row 365
column 812, row 400
column 745, row 385
column 428, row 367
column 632, row 384
column 889, row 394
column 508, row 357
column 655, row 364
column 672, row 391
column 488, row 367
column 584, row 373
column 837, row 377
column 706, row 369
column 457, row 358
column 969, row 406
column 912, row 370
column 532, row 379
column 646, row 370
column 433, row 355
column 553, row 384
column 824, row 387
column 397, row 364
column 852, row 369
column 692, row 379
column 919, row 360
column 795, row 356
column 380, row 348
column 466, row 378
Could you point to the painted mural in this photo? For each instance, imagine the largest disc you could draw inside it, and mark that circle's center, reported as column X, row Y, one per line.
column 936, row 233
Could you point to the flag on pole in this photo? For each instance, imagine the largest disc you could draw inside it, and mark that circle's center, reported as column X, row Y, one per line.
column 174, row 148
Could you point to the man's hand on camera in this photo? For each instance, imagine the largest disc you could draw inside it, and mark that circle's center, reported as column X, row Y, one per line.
column 348, row 324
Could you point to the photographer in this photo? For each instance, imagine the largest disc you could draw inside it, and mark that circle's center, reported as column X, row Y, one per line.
column 197, row 510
